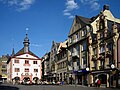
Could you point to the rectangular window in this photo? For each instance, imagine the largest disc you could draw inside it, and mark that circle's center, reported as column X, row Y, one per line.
column 84, row 60
column 34, row 62
column 4, row 66
column 102, row 49
column 17, row 70
column 26, row 69
column 26, row 62
column 35, row 70
column 77, row 36
column 95, row 64
column 16, row 61
column 110, row 46
column 84, row 46
column 101, row 35
column 95, row 51
column 84, row 32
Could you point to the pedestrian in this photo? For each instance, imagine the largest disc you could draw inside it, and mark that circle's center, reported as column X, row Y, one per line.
column 98, row 82
column 13, row 81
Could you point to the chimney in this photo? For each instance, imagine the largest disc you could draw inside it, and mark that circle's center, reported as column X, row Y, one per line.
column 105, row 7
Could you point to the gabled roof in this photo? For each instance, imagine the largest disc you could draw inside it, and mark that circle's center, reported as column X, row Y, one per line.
column 80, row 20
column 20, row 52
column 83, row 19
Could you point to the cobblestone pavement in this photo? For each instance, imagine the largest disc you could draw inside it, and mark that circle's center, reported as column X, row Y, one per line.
column 49, row 87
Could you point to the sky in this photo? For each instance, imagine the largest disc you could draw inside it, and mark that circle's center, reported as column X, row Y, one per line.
column 46, row 21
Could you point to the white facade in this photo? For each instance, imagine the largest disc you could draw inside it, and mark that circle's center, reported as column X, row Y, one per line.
column 31, row 73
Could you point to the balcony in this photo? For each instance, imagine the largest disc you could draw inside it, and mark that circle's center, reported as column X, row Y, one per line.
column 83, row 66
column 94, row 57
column 93, row 68
column 75, row 54
column 101, row 57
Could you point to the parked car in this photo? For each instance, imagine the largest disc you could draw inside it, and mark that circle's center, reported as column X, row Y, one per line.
column 36, row 80
column 26, row 81
column 1, row 80
column 17, row 80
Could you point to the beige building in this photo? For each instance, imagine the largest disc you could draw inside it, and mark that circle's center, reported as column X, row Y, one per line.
column 103, row 48
column 45, row 67
column 62, row 62
column 78, row 50
column 91, row 52
column 53, row 59
column 93, row 49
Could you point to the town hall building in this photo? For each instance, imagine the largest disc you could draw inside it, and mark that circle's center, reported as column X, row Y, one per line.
column 24, row 64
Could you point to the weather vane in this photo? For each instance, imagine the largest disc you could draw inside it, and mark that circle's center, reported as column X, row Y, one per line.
column 27, row 30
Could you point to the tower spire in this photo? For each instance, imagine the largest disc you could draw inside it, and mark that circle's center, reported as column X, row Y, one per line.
column 26, row 42
column 13, row 52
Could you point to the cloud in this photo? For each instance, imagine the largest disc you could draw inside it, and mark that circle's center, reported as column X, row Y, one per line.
column 71, row 5
column 71, row 16
column 67, row 13
column 20, row 5
column 94, row 5
column 36, row 45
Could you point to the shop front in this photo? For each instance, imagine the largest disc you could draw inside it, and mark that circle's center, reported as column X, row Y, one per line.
column 82, row 77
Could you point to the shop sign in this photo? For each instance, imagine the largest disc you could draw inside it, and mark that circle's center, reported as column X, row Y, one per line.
column 82, row 71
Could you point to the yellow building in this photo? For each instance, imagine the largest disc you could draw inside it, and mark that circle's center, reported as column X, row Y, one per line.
column 3, row 66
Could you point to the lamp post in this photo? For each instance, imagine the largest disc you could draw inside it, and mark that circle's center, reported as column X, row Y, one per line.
column 88, row 79
column 112, row 67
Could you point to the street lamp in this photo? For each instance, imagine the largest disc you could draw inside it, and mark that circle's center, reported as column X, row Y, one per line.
column 87, row 69
column 112, row 66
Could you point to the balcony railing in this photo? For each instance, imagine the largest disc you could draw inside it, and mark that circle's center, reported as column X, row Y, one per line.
column 101, row 67
column 83, row 66
column 75, row 54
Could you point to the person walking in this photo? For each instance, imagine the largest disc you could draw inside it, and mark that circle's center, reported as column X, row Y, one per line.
column 98, row 82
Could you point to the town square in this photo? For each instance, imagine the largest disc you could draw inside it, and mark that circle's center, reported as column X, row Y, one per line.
column 58, row 45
